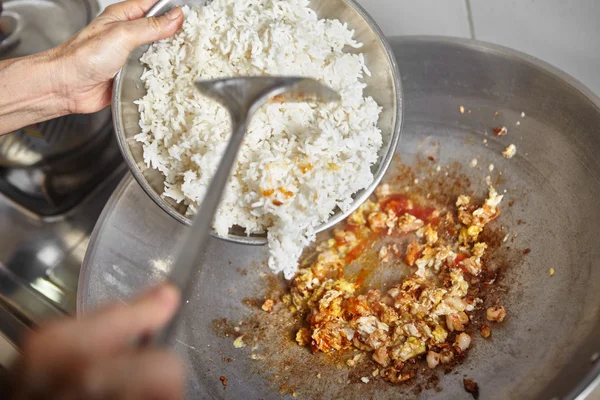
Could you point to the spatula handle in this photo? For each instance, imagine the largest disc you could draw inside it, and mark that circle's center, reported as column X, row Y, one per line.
column 190, row 262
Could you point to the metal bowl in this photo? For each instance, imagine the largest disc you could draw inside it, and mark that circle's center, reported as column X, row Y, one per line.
column 384, row 86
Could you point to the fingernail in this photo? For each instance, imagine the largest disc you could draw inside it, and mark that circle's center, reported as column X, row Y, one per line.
column 174, row 13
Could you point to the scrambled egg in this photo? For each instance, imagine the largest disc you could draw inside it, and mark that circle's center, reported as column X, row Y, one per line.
column 423, row 316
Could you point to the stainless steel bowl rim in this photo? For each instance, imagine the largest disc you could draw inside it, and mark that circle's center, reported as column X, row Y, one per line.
column 262, row 240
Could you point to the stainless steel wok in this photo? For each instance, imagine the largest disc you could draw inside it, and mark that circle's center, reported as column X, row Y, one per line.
column 547, row 348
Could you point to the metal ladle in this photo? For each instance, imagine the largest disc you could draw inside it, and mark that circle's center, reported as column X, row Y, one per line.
column 242, row 97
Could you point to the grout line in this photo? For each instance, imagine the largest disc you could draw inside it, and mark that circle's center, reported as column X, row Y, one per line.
column 470, row 19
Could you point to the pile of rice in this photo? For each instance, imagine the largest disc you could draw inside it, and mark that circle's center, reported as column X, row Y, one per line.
column 299, row 161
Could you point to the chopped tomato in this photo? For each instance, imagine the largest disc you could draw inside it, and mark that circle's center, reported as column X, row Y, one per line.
column 423, row 213
column 459, row 258
column 398, row 203
column 355, row 252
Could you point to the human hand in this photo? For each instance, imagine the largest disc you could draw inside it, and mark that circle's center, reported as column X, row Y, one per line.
column 93, row 358
column 76, row 77
column 88, row 62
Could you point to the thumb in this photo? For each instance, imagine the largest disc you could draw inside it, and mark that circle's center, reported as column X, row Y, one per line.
column 147, row 30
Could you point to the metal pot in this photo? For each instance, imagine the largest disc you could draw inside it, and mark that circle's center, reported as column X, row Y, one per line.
column 32, row 26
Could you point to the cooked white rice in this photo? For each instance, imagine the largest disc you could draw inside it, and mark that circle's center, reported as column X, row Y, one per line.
column 299, row 161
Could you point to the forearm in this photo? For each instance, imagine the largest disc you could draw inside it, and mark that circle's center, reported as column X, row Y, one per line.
column 76, row 77
column 29, row 91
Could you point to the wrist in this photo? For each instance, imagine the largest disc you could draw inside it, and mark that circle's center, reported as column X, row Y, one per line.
column 37, row 85
column 51, row 69
column 29, row 92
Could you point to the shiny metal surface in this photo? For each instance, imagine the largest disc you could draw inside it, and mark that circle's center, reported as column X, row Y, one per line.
column 10, row 28
column 45, row 143
column 549, row 345
column 384, row 87
column 44, row 24
column 40, row 255
column 242, row 97
column 44, row 256
column 54, row 187
column 36, row 26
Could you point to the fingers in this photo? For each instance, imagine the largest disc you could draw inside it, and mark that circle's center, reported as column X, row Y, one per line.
column 106, row 331
column 57, row 356
column 129, row 10
column 147, row 30
column 127, row 20
column 117, row 327
column 153, row 374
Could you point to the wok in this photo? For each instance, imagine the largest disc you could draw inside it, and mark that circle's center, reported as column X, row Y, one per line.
column 548, row 346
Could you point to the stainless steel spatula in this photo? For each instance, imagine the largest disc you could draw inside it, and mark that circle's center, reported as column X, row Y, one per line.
column 242, row 97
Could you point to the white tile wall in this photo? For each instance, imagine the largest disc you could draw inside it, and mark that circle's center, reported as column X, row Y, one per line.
column 563, row 33
column 419, row 17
